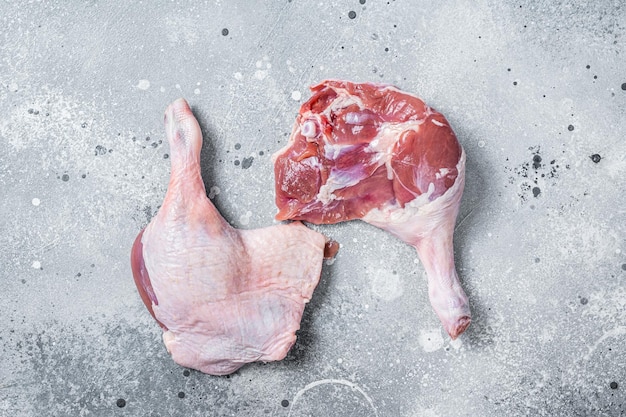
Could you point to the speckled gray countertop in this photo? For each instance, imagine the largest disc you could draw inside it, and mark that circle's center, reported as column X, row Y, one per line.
column 536, row 91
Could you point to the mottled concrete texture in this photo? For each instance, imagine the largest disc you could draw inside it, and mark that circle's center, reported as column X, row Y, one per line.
column 536, row 91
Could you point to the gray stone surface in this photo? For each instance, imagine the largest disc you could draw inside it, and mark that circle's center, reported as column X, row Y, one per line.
column 533, row 90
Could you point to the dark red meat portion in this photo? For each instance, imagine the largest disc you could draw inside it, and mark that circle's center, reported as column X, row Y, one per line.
column 356, row 146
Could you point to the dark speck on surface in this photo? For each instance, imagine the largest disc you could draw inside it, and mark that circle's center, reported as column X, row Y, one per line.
column 247, row 162
column 595, row 158
column 224, row 32
column 613, row 385
column 624, row 86
column 100, row 150
column 84, row 176
column 65, row 177
column 181, row 394
column 536, row 191
column 148, row 212
column 285, row 403
column 121, row 403
column 537, row 260
column 186, row 372
column 237, row 146
column 352, row 14
column 261, row 153
column 362, row 1
column 237, row 162
column 166, row 156
column 570, row 127
column 84, row 125
column 588, row 66
column 583, row 300
column 623, row 267
column 537, row 161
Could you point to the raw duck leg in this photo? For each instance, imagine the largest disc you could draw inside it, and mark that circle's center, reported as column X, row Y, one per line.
column 224, row 297
column 372, row 152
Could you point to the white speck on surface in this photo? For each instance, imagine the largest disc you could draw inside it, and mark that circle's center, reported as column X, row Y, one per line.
column 244, row 219
column 162, row 89
column 430, row 340
column 213, row 191
column 143, row 84
column 481, row 143
column 429, row 413
column 238, row 76
column 385, row 284
column 196, row 91
column 456, row 344
column 13, row 87
column 296, row 95
column 339, row 360
column 259, row 64
column 260, row 74
column 36, row 201
column 182, row 30
column 36, row 264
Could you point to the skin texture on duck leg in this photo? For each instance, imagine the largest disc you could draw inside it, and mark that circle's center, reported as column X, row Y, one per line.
column 372, row 152
column 429, row 229
column 223, row 297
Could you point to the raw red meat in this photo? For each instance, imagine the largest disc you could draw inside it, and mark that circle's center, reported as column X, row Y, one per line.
column 224, row 297
column 372, row 152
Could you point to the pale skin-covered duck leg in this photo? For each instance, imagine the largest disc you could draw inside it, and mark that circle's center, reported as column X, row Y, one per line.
column 223, row 297
column 430, row 230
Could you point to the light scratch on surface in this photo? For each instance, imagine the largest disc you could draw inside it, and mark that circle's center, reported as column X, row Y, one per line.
column 347, row 383
column 48, row 246
column 274, row 25
column 618, row 331
column 463, row 219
